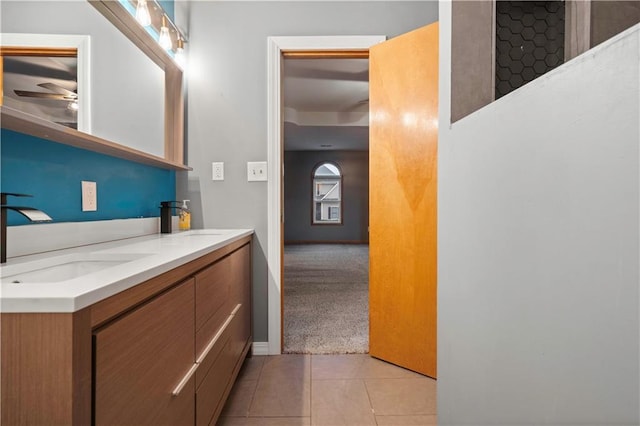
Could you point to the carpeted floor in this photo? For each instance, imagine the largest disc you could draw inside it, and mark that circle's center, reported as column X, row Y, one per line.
column 326, row 299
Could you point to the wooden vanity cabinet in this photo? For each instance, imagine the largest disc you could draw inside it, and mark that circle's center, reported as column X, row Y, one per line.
column 223, row 332
column 141, row 358
column 165, row 352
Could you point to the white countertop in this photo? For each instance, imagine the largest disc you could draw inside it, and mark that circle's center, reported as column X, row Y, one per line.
column 146, row 257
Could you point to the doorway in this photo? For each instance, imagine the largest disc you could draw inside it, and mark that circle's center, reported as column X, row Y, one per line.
column 403, row 196
column 276, row 47
column 326, row 202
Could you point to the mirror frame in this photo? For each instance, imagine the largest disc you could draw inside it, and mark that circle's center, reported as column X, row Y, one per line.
column 174, row 100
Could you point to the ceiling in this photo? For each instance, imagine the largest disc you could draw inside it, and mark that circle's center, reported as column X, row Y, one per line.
column 325, row 100
column 326, row 104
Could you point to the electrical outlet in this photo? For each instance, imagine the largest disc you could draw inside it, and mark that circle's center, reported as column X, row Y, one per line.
column 89, row 196
column 256, row 171
column 217, row 171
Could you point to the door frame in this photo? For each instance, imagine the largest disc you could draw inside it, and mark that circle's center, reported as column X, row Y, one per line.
column 275, row 209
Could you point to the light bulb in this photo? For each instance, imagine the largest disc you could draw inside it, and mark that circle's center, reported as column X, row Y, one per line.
column 165, row 39
column 181, row 56
column 142, row 13
column 73, row 105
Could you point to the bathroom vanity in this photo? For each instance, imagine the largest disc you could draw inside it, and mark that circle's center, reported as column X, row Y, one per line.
column 157, row 336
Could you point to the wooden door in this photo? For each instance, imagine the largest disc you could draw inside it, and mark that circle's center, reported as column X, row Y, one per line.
column 403, row 92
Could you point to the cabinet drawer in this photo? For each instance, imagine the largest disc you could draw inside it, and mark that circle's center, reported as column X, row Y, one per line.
column 210, row 392
column 208, row 355
column 212, row 292
column 141, row 357
column 240, row 330
column 241, row 272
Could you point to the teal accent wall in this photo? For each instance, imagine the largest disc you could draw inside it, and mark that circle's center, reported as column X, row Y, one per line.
column 52, row 173
column 169, row 8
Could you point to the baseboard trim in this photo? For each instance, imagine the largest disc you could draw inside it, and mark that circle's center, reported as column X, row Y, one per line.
column 260, row 348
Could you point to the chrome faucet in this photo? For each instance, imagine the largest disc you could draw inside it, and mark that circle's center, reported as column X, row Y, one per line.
column 165, row 215
column 34, row 215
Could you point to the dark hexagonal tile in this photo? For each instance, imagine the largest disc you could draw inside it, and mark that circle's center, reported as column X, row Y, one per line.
column 503, row 19
column 552, row 33
column 516, row 27
column 528, row 60
column 540, row 26
column 528, row 46
column 514, row 11
column 503, row 87
column 540, row 12
column 540, row 53
column 540, row 67
column 504, row 60
column 528, row 74
column 516, row 40
column 516, row 53
column 503, row 74
column 552, row 19
column 539, row 40
column 504, row 33
column 516, row 67
column 517, row 81
column 553, row 6
column 503, row 45
column 554, row 46
column 528, row 20
column 552, row 61
column 528, row 33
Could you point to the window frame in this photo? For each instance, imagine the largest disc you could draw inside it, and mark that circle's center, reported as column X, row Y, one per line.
column 340, row 178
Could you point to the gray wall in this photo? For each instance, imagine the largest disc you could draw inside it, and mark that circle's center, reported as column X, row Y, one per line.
column 472, row 44
column 610, row 17
column 227, row 104
column 298, row 166
column 539, row 247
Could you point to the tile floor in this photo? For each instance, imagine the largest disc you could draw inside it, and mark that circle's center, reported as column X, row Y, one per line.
column 328, row 390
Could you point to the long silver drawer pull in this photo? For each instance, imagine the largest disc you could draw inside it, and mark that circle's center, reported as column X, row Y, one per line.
column 184, row 380
column 213, row 341
column 235, row 310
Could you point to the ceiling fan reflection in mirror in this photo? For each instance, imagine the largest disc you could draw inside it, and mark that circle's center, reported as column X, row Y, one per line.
column 56, row 93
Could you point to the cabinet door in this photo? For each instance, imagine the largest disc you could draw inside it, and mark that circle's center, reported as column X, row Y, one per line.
column 241, row 273
column 142, row 357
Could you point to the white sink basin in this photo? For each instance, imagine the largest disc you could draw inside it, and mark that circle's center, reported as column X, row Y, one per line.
column 63, row 268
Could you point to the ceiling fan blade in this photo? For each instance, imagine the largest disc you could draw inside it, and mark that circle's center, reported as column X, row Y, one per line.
column 41, row 95
column 58, row 89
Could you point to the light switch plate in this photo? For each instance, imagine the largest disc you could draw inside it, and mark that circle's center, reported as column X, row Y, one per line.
column 89, row 196
column 217, row 171
column 256, row 171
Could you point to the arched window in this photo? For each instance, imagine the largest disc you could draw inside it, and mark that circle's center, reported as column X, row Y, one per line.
column 327, row 194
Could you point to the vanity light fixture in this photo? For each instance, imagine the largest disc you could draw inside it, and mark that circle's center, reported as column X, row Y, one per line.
column 142, row 13
column 165, row 38
column 158, row 24
column 181, row 56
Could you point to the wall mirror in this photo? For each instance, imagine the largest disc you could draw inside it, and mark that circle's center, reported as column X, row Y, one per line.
column 127, row 94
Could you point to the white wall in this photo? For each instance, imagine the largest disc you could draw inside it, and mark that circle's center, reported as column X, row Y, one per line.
column 539, row 247
column 227, row 102
column 127, row 88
